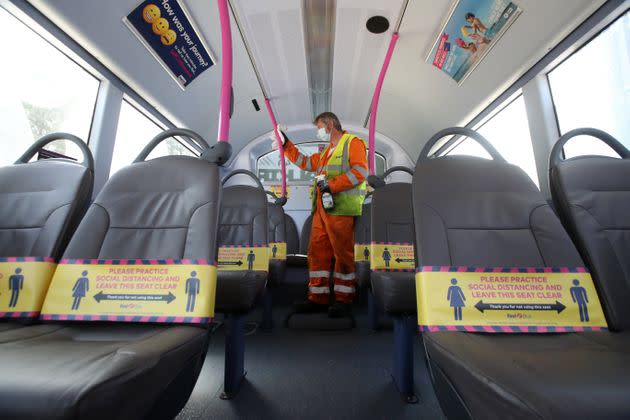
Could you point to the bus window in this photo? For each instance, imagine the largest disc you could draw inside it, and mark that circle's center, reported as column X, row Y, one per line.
column 43, row 91
column 134, row 131
column 268, row 166
column 591, row 88
column 508, row 131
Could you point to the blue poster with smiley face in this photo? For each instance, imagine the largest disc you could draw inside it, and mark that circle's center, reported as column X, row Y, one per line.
column 165, row 28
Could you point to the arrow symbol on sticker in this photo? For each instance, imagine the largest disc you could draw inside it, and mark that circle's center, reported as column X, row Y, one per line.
column 399, row 260
column 239, row 263
column 100, row 296
column 558, row 306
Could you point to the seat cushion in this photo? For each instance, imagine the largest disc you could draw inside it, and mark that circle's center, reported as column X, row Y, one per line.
column 501, row 376
column 95, row 371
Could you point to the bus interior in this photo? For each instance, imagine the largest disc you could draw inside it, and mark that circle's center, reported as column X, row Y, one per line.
column 497, row 138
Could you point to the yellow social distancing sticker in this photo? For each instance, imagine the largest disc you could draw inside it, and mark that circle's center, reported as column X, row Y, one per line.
column 392, row 256
column 362, row 253
column 24, row 282
column 278, row 251
column 165, row 291
column 238, row 258
column 507, row 300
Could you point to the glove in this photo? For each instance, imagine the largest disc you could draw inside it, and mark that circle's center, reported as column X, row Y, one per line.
column 323, row 186
column 280, row 129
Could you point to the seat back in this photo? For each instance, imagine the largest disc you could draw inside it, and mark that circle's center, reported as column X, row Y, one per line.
column 42, row 202
column 277, row 233
column 470, row 211
column 243, row 222
column 363, row 236
column 392, row 223
column 293, row 237
column 163, row 208
column 306, row 235
column 592, row 196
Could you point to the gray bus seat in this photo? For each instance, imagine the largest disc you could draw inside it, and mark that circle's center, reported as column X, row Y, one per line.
column 392, row 222
column 163, row 208
column 277, row 233
column 470, row 211
column 42, row 202
column 592, row 197
column 243, row 222
column 293, row 237
column 300, row 259
column 362, row 235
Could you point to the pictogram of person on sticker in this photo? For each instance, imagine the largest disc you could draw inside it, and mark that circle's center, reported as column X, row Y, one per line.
column 274, row 250
column 579, row 296
column 192, row 288
column 366, row 253
column 80, row 289
column 16, row 283
column 251, row 257
column 456, row 297
column 387, row 256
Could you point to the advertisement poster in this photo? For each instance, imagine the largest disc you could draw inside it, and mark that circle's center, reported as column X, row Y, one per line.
column 471, row 30
column 163, row 291
column 23, row 285
column 166, row 29
column 507, row 300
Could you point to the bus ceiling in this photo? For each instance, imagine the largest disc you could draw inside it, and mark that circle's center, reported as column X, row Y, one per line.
column 309, row 56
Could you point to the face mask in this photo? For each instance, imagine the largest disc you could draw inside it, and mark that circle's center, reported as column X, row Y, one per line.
column 323, row 135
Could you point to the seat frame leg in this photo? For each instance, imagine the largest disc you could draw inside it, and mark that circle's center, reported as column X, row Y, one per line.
column 266, row 323
column 373, row 311
column 234, row 355
column 404, row 333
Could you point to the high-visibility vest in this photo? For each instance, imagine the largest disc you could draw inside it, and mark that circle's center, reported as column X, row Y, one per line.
column 349, row 202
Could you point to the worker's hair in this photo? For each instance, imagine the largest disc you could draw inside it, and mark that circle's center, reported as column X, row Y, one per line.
column 470, row 15
column 327, row 117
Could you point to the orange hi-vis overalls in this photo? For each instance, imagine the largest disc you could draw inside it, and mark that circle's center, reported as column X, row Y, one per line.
column 332, row 236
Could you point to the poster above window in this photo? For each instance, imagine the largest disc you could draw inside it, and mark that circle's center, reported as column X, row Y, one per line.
column 473, row 27
column 166, row 29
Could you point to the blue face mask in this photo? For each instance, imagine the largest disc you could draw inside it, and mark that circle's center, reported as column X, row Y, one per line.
column 323, row 135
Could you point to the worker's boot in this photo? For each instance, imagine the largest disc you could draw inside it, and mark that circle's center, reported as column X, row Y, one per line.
column 340, row 310
column 307, row 306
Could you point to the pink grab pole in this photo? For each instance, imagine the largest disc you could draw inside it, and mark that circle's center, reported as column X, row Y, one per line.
column 280, row 147
column 226, row 75
column 375, row 98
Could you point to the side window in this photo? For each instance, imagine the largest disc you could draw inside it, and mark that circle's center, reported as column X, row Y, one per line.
column 591, row 88
column 508, row 132
column 134, row 131
column 41, row 91
column 269, row 171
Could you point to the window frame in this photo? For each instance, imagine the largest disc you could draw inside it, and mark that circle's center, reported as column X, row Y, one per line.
column 301, row 183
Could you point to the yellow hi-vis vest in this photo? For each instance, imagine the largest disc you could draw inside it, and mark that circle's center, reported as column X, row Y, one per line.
column 349, row 202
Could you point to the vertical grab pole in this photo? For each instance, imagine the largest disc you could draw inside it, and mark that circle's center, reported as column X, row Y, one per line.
column 226, row 69
column 375, row 98
column 274, row 123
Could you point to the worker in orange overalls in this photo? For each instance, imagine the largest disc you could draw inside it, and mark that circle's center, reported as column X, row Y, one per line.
column 344, row 164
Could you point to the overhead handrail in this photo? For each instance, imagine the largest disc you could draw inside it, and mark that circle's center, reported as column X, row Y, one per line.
column 281, row 201
column 283, row 167
column 88, row 160
column 375, row 99
column 556, row 156
column 244, row 172
column 462, row 131
column 376, row 181
column 173, row 132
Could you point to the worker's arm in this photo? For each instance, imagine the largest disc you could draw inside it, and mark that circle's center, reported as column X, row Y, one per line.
column 305, row 163
column 358, row 168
